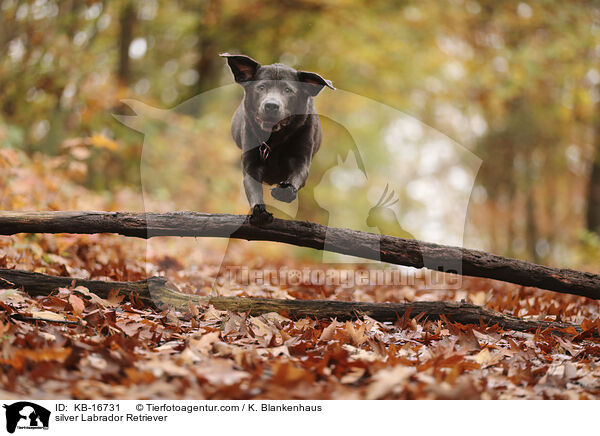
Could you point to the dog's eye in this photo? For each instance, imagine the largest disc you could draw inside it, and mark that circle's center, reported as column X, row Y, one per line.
column 288, row 90
column 261, row 87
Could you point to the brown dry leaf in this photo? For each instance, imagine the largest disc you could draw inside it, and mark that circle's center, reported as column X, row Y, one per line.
column 484, row 339
column 275, row 319
column 94, row 298
column 46, row 314
column 189, row 357
column 130, row 328
column 11, row 296
column 357, row 336
column 168, row 347
column 262, row 331
column 238, row 354
column 17, row 358
column 77, row 304
column 360, row 354
column 203, row 343
column 572, row 348
column 282, row 350
column 114, row 298
column 286, row 373
column 329, row 331
column 193, row 308
column 386, row 380
column 486, row 358
column 220, row 372
column 353, row 375
column 235, row 325
column 483, row 357
column 97, row 361
column 162, row 367
column 305, row 323
column 213, row 314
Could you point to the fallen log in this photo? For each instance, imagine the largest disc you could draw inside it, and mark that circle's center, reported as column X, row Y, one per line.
column 158, row 290
column 365, row 245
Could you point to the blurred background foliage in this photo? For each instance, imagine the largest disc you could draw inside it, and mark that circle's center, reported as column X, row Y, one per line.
column 515, row 83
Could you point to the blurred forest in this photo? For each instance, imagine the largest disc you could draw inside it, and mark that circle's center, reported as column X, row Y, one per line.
column 516, row 84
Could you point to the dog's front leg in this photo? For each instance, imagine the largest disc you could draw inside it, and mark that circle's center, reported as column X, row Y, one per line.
column 287, row 191
column 254, row 193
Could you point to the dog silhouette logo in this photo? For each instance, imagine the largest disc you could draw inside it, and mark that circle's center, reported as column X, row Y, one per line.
column 26, row 415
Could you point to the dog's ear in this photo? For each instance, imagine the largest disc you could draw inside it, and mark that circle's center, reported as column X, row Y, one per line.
column 242, row 67
column 315, row 81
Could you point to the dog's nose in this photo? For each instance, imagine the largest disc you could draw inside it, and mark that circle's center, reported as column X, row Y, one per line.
column 271, row 106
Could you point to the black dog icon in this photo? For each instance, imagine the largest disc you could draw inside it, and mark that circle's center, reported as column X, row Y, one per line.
column 27, row 415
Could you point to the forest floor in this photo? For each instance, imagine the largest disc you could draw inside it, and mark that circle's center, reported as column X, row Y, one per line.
column 92, row 348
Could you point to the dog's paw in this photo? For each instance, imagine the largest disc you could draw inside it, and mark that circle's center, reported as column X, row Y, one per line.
column 260, row 216
column 284, row 192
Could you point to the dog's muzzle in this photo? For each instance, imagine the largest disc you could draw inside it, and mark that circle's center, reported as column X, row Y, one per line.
column 272, row 126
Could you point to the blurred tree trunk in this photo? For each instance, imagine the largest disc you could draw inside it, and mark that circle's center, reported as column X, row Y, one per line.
column 593, row 201
column 70, row 10
column 531, row 224
column 209, row 64
column 508, row 212
column 126, row 23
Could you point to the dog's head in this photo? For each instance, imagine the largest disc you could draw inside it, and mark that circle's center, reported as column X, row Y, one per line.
column 274, row 94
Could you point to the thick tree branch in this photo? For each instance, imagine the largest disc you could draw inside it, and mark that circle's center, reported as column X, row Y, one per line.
column 306, row 234
column 158, row 291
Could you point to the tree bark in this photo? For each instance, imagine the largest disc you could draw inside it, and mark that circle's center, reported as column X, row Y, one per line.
column 157, row 290
column 389, row 249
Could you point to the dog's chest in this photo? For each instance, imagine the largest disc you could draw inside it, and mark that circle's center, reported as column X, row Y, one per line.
column 275, row 167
